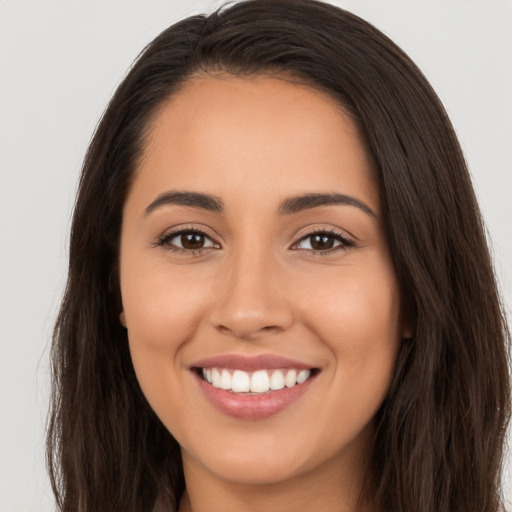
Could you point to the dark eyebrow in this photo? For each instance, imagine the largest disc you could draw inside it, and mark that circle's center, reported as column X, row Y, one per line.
column 307, row 201
column 184, row 198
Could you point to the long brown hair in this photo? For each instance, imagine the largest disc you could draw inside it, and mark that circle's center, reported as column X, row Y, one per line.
column 440, row 432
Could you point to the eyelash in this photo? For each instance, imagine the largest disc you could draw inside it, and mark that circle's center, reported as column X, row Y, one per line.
column 165, row 241
column 344, row 242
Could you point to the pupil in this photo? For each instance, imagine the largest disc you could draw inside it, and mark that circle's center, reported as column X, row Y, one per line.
column 192, row 240
column 322, row 242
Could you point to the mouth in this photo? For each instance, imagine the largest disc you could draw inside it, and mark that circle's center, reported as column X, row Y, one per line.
column 253, row 388
column 256, row 382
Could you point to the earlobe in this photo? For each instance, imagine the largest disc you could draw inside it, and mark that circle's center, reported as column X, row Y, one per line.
column 407, row 327
column 407, row 320
column 407, row 332
column 122, row 318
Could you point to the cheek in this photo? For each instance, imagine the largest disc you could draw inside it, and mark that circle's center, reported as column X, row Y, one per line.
column 357, row 316
column 358, row 307
column 163, row 310
column 163, row 307
column 367, row 315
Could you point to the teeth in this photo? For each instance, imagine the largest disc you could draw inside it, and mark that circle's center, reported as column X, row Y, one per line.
column 277, row 381
column 290, row 379
column 207, row 374
column 303, row 376
column 215, row 378
column 240, row 382
column 261, row 381
column 225, row 380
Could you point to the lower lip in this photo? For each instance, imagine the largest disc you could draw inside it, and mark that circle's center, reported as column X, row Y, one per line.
column 252, row 407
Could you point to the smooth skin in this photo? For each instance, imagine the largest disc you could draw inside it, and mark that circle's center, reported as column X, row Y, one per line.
column 252, row 279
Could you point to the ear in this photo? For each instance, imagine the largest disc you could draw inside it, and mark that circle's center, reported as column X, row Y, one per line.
column 407, row 320
column 122, row 319
column 407, row 331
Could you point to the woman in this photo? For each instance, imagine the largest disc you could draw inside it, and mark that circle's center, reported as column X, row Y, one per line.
column 280, row 295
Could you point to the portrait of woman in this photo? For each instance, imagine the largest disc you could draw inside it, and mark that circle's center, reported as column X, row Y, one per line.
column 280, row 292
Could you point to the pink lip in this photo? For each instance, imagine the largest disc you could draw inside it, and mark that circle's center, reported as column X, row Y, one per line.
column 252, row 407
column 250, row 364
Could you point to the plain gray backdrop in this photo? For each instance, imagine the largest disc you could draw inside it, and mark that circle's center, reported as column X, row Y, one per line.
column 60, row 62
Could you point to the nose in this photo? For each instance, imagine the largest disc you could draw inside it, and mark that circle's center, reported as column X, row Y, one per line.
column 252, row 302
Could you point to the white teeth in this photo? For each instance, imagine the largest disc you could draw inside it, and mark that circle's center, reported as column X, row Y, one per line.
column 290, row 379
column 225, row 380
column 303, row 376
column 240, row 382
column 277, row 380
column 215, row 378
column 207, row 374
column 261, row 381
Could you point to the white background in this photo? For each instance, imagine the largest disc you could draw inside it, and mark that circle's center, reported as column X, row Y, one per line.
column 60, row 62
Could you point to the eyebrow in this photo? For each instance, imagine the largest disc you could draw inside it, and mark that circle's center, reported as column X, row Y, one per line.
column 308, row 201
column 183, row 198
column 289, row 206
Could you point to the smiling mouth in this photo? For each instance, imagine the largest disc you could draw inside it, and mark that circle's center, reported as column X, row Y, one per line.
column 264, row 381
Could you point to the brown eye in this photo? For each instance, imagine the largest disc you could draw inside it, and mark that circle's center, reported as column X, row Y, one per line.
column 192, row 241
column 189, row 240
column 323, row 242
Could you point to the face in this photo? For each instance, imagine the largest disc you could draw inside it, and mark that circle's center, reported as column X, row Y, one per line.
column 260, row 299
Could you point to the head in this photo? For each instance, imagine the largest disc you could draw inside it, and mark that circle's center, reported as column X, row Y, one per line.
column 446, row 402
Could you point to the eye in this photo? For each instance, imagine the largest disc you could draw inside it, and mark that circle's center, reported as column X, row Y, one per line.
column 323, row 241
column 188, row 240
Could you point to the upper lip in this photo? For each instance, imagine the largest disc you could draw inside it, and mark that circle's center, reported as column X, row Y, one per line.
column 250, row 363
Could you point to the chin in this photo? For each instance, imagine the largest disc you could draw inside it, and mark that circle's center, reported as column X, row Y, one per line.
column 253, row 462
column 243, row 471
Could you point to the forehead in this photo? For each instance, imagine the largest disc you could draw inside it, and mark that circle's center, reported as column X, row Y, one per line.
column 254, row 134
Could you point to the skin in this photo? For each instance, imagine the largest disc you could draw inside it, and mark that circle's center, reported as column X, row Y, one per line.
column 257, row 286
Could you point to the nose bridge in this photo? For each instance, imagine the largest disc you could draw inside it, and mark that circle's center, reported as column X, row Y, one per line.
column 251, row 300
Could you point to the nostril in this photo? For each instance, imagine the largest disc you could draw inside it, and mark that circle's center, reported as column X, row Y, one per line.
column 248, row 333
